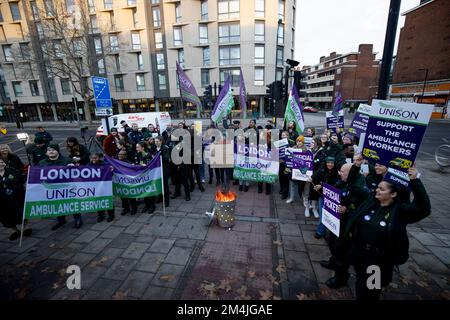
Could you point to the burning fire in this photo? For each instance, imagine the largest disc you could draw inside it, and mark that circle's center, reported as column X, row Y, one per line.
column 225, row 196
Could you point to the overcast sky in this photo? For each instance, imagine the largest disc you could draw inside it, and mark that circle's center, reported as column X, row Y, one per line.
column 324, row 26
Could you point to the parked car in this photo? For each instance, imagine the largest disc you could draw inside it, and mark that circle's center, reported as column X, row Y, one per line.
column 310, row 109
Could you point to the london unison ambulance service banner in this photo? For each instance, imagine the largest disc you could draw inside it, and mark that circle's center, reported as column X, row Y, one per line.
column 330, row 215
column 256, row 163
column 133, row 181
column 395, row 131
column 59, row 191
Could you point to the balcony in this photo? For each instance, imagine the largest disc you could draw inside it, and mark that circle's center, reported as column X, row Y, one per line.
column 321, row 79
column 319, row 89
column 317, row 99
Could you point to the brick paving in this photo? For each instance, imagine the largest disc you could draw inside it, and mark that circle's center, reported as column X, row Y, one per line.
column 271, row 252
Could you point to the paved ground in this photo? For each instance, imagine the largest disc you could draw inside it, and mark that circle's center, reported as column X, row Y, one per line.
column 271, row 253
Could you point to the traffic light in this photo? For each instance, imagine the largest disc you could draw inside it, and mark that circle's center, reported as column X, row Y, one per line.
column 278, row 90
column 269, row 90
column 299, row 82
column 207, row 94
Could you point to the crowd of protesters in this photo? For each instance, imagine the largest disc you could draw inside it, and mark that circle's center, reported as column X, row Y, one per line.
column 374, row 209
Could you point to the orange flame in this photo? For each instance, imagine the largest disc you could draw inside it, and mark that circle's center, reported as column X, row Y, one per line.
column 225, row 197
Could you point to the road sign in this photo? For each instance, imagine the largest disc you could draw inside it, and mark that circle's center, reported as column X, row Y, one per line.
column 102, row 96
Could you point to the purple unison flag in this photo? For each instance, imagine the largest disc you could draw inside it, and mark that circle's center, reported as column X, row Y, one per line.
column 338, row 104
column 242, row 92
column 224, row 103
column 188, row 92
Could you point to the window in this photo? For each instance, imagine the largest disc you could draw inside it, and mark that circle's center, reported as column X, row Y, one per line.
column 280, row 34
column 228, row 9
column 204, row 10
column 259, row 31
column 259, row 8
column 70, row 6
column 40, row 30
column 162, row 81
column 112, row 23
column 117, row 63
column 279, row 75
column 338, row 82
column 293, row 17
column 91, row 6
column 57, row 48
column 35, row 10
column 118, row 83
column 15, row 13
column 205, row 77
column 158, row 40
column 155, row 1
column 235, row 75
column 178, row 12
column 156, row 18
column 107, row 4
column 101, row 66
column 140, row 82
column 49, row 10
column 293, row 40
column 259, row 76
column 114, row 42
column 34, row 87
column 77, row 47
column 135, row 41
column 280, row 56
column 181, row 58
column 259, row 54
column 98, row 46
column 135, row 17
column 177, row 36
column 17, row 88
column 25, row 51
column 140, row 61
column 131, row 3
column 94, row 25
column 203, row 33
column 65, row 86
column 160, row 63
column 206, row 56
column 281, row 9
column 229, row 33
column 229, row 55
column 51, row 85
column 1, row 16
column 8, row 52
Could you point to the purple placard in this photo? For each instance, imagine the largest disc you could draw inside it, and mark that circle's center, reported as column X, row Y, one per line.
column 331, row 199
column 359, row 124
column 63, row 174
column 303, row 160
column 331, row 122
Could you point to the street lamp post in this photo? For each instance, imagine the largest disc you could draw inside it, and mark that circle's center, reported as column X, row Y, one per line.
column 424, row 82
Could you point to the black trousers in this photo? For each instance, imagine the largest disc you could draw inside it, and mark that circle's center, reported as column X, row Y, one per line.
column 128, row 204
column 260, row 186
column 339, row 255
column 76, row 217
column 149, row 202
column 284, row 183
column 194, row 170
column 179, row 181
column 109, row 212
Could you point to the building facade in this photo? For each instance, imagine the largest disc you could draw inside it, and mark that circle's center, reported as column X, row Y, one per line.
column 351, row 74
column 136, row 44
column 422, row 68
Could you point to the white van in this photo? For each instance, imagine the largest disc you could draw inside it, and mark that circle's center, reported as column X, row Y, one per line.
column 159, row 119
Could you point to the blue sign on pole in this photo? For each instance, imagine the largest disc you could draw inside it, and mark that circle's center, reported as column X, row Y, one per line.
column 102, row 96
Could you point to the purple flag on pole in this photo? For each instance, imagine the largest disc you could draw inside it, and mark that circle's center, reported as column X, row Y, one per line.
column 242, row 92
column 338, row 104
column 188, row 92
column 224, row 103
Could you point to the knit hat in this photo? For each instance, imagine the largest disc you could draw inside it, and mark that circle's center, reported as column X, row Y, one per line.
column 113, row 130
column 54, row 146
column 330, row 159
column 300, row 138
column 39, row 140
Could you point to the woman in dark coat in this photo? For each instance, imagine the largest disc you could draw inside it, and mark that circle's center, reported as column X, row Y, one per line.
column 77, row 152
column 377, row 231
column 12, row 197
column 12, row 161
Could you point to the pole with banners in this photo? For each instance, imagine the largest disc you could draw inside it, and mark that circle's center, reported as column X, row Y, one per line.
column 24, row 208
column 187, row 90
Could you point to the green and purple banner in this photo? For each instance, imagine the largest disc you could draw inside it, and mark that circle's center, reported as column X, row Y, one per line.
column 224, row 103
column 188, row 92
column 394, row 132
column 133, row 181
column 256, row 163
column 59, row 191
column 294, row 110
column 331, row 202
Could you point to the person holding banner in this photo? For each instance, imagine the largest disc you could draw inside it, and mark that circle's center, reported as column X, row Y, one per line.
column 291, row 129
column 377, row 230
column 77, row 152
column 333, row 148
column 351, row 184
column 164, row 152
column 95, row 160
column 142, row 158
column 375, row 176
column 127, row 203
column 54, row 158
column 283, row 174
column 12, row 197
column 111, row 143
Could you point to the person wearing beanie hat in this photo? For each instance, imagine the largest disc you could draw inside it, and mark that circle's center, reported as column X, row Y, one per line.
column 54, row 158
column 39, row 151
column 377, row 233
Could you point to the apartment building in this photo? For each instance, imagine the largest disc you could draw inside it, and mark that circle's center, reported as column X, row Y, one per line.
column 352, row 74
column 135, row 44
